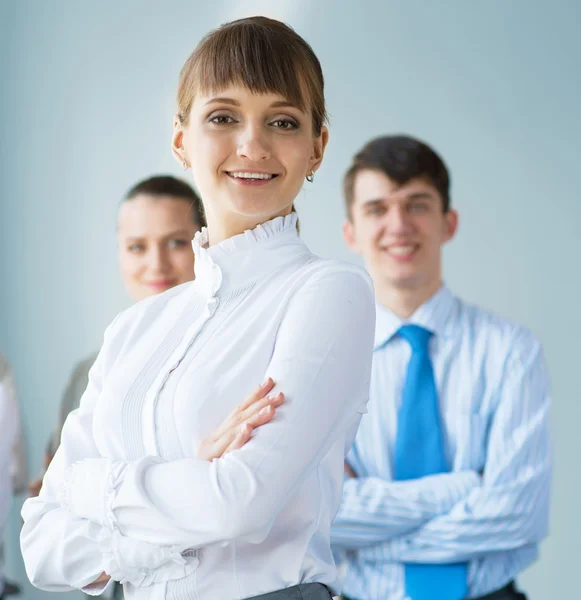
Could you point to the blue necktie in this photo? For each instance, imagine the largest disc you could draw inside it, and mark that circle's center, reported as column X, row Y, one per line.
column 419, row 452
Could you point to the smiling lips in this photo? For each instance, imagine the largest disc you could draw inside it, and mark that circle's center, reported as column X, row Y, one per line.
column 401, row 252
column 161, row 284
column 252, row 178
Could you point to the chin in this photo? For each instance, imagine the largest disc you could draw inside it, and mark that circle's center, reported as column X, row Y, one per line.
column 404, row 281
column 261, row 212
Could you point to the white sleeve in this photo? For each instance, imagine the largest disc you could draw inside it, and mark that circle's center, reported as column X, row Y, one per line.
column 8, row 434
column 62, row 551
column 322, row 363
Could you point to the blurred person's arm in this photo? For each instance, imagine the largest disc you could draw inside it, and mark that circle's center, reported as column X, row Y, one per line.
column 70, row 401
column 510, row 509
column 18, row 467
column 8, row 435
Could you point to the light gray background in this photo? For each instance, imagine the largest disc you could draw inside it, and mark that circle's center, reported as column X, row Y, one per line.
column 86, row 108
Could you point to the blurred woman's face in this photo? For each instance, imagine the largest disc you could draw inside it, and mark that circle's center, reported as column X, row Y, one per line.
column 155, row 244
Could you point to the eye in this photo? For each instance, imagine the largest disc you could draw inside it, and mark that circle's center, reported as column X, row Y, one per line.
column 418, row 207
column 178, row 243
column 136, row 248
column 376, row 211
column 285, row 124
column 221, row 120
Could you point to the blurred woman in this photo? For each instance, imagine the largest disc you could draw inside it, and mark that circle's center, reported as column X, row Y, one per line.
column 156, row 222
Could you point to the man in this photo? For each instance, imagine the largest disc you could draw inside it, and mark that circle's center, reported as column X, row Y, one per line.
column 9, row 431
column 448, row 480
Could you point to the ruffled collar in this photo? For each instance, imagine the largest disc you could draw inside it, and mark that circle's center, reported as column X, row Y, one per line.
column 247, row 257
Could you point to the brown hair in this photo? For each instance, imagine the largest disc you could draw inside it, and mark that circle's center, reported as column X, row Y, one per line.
column 263, row 55
column 401, row 158
column 166, row 185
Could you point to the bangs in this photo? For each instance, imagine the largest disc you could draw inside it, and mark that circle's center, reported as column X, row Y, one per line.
column 258, row 63
column 260, row 58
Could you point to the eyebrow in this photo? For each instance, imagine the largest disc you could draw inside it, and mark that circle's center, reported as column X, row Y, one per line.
column 232, row 102
column 223, row 101
column 420, row 196
column 411, row 196
column 176, row 233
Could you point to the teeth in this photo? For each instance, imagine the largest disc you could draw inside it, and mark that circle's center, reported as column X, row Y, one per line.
column 246, row 175
column 401, row 250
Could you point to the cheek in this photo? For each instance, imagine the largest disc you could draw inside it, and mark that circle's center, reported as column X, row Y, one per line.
column 131, row 266
column 295, row 155
column 208, row 152
column 183, row 264
column 373, row 232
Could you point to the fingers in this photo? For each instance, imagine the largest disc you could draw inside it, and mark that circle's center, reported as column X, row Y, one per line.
column 243, row 435
column 240, row 414
column 265, row 414
column 258, row 394
column 254, row 409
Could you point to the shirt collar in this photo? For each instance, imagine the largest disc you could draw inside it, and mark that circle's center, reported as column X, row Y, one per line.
column 432, row 315
column 245, row 258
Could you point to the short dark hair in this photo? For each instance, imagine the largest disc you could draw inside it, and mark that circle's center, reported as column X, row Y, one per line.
column 402, row 158
column 167, row 185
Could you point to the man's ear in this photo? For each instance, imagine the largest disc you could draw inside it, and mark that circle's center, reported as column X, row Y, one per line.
column 349, row 237
column 451, row 220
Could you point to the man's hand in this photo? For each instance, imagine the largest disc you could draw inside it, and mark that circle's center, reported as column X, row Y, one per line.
column 258, row 409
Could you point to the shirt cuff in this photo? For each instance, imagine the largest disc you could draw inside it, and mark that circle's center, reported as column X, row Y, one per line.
column 89, row 487
column 140, row 563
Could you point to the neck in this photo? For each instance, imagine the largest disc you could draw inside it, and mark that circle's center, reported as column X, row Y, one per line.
column 404, row 301
column 223, row 227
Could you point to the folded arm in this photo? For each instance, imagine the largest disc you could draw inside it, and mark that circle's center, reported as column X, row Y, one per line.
column 322, row 362
column 510, row 509
column 374, row 511
column 63, row 551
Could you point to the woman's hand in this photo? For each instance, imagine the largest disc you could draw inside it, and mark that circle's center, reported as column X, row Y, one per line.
column 258, row 409
column 103, row 578
column 349, row 471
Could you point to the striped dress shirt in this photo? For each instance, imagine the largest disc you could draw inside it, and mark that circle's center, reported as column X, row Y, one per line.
column 491, row 509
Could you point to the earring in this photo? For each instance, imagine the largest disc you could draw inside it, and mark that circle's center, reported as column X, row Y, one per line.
column 185, row 164
column 311, row 176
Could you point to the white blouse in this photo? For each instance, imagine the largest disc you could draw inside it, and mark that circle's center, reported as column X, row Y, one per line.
column 125, row 493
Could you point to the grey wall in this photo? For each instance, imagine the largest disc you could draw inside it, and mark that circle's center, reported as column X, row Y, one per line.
column 85, row 110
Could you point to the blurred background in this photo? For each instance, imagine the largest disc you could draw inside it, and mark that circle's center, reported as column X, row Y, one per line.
column 86, row 110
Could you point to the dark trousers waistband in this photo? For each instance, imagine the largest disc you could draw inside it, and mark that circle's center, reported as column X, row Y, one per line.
column 508, row 592
column 304, row 591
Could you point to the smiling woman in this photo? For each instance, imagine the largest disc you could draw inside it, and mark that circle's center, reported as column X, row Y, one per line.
column 157, row 221
column 133, row 494
column 251, row 122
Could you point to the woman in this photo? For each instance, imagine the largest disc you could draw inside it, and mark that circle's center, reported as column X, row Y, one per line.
column 156, row 222
column 128, row 495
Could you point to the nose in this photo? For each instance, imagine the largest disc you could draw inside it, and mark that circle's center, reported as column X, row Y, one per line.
column 158, row 260
column 253, row 144
column 398, row 221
